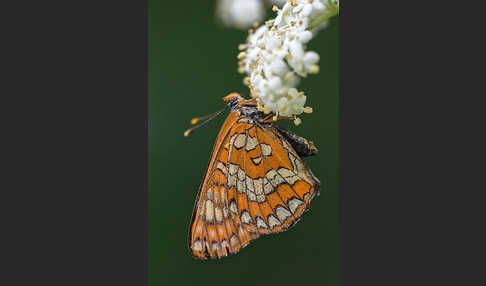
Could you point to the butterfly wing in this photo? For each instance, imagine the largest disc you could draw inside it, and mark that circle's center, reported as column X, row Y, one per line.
column 215, row 231
column 272, row 183
column 255, row 184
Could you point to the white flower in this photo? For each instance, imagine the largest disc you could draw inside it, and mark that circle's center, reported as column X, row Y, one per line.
column 240, row 13
column 279, row 3
column 276, row 57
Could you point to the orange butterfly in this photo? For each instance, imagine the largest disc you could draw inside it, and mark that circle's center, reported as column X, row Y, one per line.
column 255, row 182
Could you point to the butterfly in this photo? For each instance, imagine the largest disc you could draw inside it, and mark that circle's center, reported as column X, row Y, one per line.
column 256, row 182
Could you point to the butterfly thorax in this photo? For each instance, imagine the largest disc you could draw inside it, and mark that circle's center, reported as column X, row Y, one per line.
column 245, row 108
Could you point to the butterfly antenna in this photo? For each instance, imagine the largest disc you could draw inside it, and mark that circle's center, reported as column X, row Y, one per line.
column 205, row 119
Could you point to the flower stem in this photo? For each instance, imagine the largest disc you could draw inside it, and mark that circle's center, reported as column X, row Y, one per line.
column 331, row 11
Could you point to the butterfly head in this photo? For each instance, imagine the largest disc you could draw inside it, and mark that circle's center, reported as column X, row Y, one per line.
column 233, row 99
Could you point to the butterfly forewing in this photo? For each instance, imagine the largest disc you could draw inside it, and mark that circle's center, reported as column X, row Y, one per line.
column 255, row 184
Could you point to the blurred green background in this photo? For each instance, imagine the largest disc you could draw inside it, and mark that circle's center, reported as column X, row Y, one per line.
column 192, row 65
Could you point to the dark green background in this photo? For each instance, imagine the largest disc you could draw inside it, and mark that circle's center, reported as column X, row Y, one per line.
column 192, row 65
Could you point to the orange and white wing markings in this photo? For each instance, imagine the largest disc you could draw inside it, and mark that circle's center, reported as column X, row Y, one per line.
column 214, row 231
column 255, row 184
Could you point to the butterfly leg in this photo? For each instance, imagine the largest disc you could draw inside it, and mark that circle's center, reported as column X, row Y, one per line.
column 268, row 118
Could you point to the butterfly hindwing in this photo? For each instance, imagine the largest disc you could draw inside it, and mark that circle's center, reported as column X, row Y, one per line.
column 278, row 185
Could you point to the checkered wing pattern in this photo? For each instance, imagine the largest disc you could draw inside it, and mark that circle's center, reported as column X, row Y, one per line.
column 255, row 184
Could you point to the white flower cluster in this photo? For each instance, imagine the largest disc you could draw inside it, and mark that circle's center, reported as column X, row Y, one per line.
column 240, row 14
column 275, row 57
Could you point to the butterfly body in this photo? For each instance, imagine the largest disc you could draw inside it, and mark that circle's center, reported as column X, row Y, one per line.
column 255, row 183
